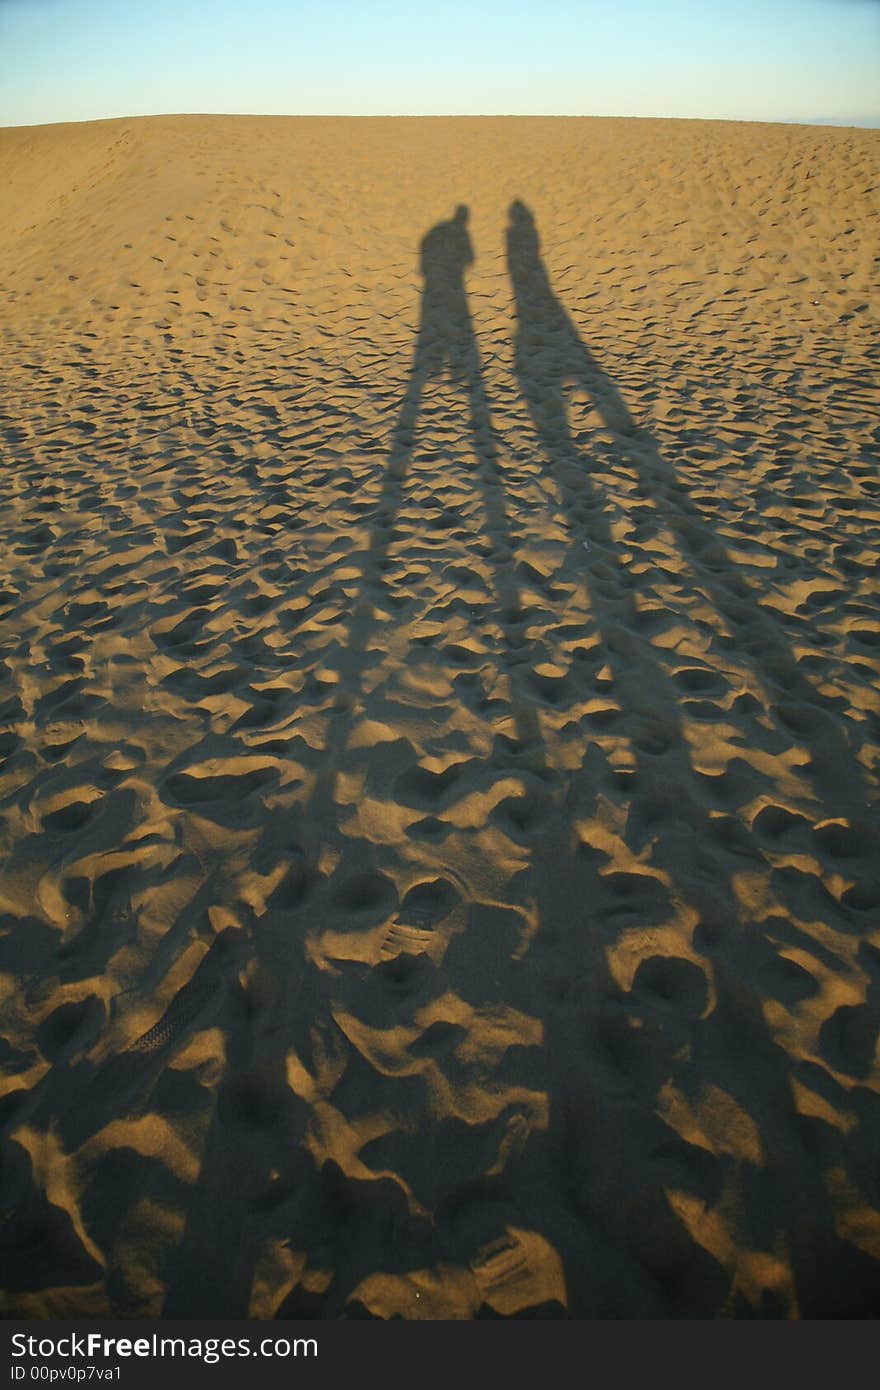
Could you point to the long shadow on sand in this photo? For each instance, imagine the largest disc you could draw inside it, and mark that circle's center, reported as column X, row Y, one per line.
column 294, row 993
column 550, row 358
column 628, row 1206
column 691, row 1020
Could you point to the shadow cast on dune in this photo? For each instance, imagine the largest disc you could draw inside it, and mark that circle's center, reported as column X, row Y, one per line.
column 550, row 357
column 607, row 1195
column 385, row 1211
column 508, row 1115
column 693, row 1021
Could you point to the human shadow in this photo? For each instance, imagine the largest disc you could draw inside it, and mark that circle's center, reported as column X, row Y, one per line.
column 594, row 1182
column 695, row 1019
column 271, row 1176
column 446, row 338
column 446, row 344
column 240, row 1173
column 551, row 357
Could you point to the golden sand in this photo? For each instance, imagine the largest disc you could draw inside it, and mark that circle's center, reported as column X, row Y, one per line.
column 439, row 723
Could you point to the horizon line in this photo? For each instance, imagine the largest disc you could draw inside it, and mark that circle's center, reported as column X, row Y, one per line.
column 835, row 122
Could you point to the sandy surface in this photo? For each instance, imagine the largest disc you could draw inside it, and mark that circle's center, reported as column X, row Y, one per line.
column 439, row 719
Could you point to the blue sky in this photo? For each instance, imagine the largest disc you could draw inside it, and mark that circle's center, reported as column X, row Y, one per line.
column 809, row 60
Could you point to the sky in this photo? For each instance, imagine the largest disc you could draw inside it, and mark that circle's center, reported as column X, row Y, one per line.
column 777, row 60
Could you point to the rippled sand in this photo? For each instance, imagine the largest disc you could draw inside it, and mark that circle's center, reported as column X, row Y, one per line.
column 439, row 719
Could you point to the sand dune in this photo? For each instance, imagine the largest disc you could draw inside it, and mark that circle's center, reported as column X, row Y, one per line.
column 439, row 728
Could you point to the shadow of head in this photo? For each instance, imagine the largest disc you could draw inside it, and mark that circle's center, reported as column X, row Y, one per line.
column 522, row 235
column 446, row 252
